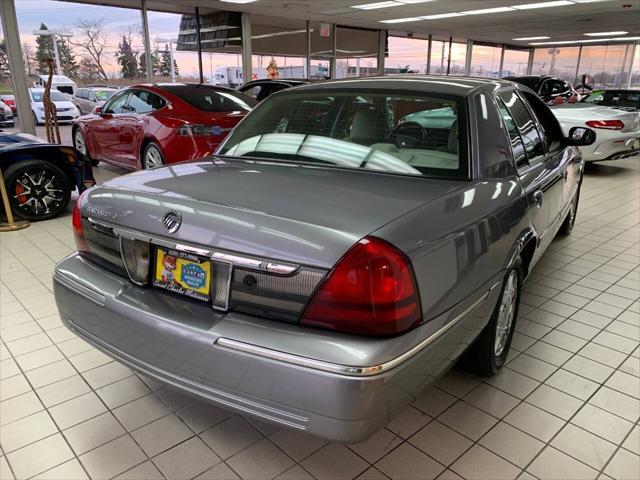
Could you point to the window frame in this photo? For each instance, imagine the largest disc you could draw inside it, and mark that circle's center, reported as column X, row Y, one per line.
column 526, row 165
column 539, row 158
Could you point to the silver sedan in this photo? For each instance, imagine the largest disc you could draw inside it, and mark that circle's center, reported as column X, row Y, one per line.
column 348, row 243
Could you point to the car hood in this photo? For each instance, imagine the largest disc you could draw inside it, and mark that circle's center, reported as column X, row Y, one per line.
column 289, row 212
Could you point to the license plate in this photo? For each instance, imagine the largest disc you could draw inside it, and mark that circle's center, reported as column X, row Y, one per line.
column 183, row 273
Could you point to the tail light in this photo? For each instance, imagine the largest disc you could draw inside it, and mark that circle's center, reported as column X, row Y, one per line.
column 78, row 229
column 606, row 124
column 372, row 290
column 135, row 257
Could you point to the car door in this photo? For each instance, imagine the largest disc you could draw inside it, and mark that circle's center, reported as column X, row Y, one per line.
column 132, row 123
column 563, row 156
column 539, row 176
column 77, row 99
column 104, row 132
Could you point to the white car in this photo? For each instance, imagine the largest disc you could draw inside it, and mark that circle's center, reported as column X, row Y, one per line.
column 617, row 131
column 65, row 109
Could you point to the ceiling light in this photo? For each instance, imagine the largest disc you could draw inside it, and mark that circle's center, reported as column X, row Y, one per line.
column 605, row 34
column 591, row 40
column 402, row 20
column 373, row 6
column 411, row 2
column 530, row 6
column 238, row 1
column 442, row 15
column 522, row 39
column 487, row 10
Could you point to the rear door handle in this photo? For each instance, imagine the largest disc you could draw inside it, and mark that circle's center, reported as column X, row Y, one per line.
column 537, row 198
column 565, row 174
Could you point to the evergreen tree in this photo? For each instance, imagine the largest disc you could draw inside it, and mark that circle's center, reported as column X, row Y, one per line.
column 155, row 63
column 127, row 59
column 4, row 61
column 67, row 58
column 165, row 63
column 44, row 50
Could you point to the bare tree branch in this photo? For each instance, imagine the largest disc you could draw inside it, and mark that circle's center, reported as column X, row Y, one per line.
column 93, row 42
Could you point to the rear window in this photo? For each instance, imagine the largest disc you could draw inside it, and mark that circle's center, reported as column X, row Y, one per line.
column 213, row 100
column 408, row 134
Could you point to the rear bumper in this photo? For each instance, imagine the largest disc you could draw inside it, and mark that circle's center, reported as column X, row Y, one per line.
column 217, row 356
column 621, row 146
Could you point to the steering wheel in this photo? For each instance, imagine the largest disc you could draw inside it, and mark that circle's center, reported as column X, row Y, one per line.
column 408, row 135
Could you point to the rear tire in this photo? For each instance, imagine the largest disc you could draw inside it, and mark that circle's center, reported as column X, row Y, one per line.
column 152, row 156
column 37, row 190
column 489, row 352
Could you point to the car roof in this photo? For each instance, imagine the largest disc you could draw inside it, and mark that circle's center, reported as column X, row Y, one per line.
column 456, row 85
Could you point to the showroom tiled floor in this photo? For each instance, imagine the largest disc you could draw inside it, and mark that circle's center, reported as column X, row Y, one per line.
column 566, row 405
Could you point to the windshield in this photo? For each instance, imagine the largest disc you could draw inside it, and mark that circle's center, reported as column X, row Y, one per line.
column 103, row 95
column 56, row 96
column 211, row 99
column 408, row 134
column 614, row 98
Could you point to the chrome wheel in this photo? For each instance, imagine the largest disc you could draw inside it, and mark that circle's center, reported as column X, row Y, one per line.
column 506, row 313
column 78, row 140
column 152, row 157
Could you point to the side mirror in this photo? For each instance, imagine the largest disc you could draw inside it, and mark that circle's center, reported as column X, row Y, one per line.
column 97, row 110
column 581, row 136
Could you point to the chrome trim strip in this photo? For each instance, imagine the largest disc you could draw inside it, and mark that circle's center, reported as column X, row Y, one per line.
column 87, row 292
column 351, row 371
column 237, row 260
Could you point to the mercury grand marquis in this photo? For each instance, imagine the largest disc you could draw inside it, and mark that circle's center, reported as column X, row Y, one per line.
column 344, row 247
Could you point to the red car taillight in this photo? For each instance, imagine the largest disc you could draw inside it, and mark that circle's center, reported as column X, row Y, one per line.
column 78, row 229
column 371, row 290
column 606, row 124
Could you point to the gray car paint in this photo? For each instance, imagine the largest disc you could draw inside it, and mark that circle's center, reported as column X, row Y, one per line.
column 459, row 235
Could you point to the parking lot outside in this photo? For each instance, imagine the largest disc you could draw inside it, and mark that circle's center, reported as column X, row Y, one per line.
column 565, row 406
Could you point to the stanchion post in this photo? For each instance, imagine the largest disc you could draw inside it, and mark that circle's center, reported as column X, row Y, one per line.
column 11, row 224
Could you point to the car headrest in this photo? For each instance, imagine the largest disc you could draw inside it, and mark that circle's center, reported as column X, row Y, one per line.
column 367, row 126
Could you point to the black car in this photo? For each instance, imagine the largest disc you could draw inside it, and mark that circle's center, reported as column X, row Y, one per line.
column 623, row 99
column 261, row 89
column 547, row 87
column 40, row 176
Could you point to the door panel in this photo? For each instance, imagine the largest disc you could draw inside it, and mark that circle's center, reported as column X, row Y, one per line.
column 106, row 130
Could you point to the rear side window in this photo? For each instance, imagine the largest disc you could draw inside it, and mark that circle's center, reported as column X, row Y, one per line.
column 213, row 100
column 517, row 147
column 526, row 125
column 142, row 101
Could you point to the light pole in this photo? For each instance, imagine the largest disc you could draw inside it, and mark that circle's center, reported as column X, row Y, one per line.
column 52, row 34
column 170, row 41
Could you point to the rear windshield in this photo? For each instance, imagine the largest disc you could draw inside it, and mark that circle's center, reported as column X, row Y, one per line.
column 103, row 95
column 213, row 100
column 56, row 96
column 614, row 98
column 408, row 134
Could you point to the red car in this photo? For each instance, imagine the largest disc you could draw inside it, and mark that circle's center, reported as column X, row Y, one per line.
column 147, row 126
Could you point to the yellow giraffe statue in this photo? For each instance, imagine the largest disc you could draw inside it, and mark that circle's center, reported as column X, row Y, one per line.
column 50, row 115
